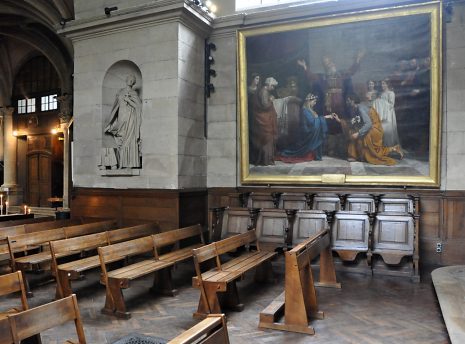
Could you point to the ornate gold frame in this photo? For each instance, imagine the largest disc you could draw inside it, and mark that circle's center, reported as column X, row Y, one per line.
column 434, row 10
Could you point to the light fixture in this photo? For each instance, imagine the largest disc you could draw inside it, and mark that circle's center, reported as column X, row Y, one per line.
column 108, row 10
column 15, row 133
column 54, row 131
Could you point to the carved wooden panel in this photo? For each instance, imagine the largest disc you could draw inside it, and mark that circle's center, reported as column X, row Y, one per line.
column 350, row 231
column 397, row 204
column 293, row 201
column 393, row 231
column 272, row 225
column 360, row 203
column 307, row 223
column 261, row 200
column 326, row 202
column 235, row 221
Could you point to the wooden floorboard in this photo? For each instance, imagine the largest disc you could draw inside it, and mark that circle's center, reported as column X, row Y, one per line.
column 366, row 310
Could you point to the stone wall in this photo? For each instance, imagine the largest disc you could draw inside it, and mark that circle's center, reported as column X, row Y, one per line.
column 166, row 45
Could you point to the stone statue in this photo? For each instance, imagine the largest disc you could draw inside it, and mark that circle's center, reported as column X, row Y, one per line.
column 124, row 125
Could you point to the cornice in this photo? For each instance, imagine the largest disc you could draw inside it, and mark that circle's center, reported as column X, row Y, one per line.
column 300, row 11
column 139, row 17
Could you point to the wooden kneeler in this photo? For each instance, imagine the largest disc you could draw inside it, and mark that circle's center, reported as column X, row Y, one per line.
column 298, row 301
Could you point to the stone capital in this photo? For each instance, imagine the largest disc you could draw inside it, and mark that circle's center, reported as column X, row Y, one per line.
column 7, row 110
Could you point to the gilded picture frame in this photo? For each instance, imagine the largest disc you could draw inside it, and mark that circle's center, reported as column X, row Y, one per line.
column 349, row 99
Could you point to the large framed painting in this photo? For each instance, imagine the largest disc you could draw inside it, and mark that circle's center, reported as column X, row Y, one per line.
column 347, row 99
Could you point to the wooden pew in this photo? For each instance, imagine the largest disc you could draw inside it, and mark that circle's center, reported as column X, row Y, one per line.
column 222, row 279
column 36, row 320
column 6, row 337
column 12, row 283
column 299, row 301
column 164, row 282
column 13, row 223
column 28, row 228
column 73, row 270
column 19, row 243
column 211, row 330
column 118, row 279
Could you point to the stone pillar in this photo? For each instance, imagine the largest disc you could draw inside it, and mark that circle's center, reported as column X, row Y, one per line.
column 65, row 114
column 66, row 165
column 10, row 142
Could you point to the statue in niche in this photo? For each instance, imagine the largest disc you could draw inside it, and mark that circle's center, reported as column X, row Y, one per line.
column 124, row 125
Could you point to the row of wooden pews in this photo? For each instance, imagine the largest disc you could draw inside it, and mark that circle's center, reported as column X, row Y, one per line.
column 26, row 324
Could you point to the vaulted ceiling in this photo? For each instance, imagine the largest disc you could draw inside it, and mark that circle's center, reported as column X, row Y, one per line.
column 33, row 24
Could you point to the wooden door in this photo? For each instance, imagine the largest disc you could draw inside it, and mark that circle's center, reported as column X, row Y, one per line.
column 39, row 171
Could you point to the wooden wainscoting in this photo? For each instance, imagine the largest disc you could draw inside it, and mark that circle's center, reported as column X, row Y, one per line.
column 171, row 208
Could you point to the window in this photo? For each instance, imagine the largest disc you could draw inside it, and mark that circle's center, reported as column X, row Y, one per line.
column 26, row 105
column 48, row 103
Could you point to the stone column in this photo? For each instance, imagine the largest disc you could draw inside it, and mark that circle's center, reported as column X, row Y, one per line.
column 66, row 164
column 10, row 142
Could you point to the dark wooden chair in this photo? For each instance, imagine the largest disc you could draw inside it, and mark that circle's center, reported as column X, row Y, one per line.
column 327, row 202
column 360, row 202
column 274, row 230
column 298, row 201
column 33, row 321
column 211, row 330
column 350, row 234
column 396, row 203
column 264, row 200
column 237, row 220
column 394, row 237
column 308, row 223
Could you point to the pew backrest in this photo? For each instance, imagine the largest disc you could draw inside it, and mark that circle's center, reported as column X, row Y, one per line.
column 89, row 228
column 176, row 235
column 36, row 320
column 12, row 283
column 122, row 250
column 67, row 247
column 133, row 232
column 212, row 330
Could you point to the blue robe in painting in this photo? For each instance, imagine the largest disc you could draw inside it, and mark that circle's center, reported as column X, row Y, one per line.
column 313, row 134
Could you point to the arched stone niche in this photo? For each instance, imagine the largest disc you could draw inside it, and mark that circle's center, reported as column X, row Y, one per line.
column 115, row 80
